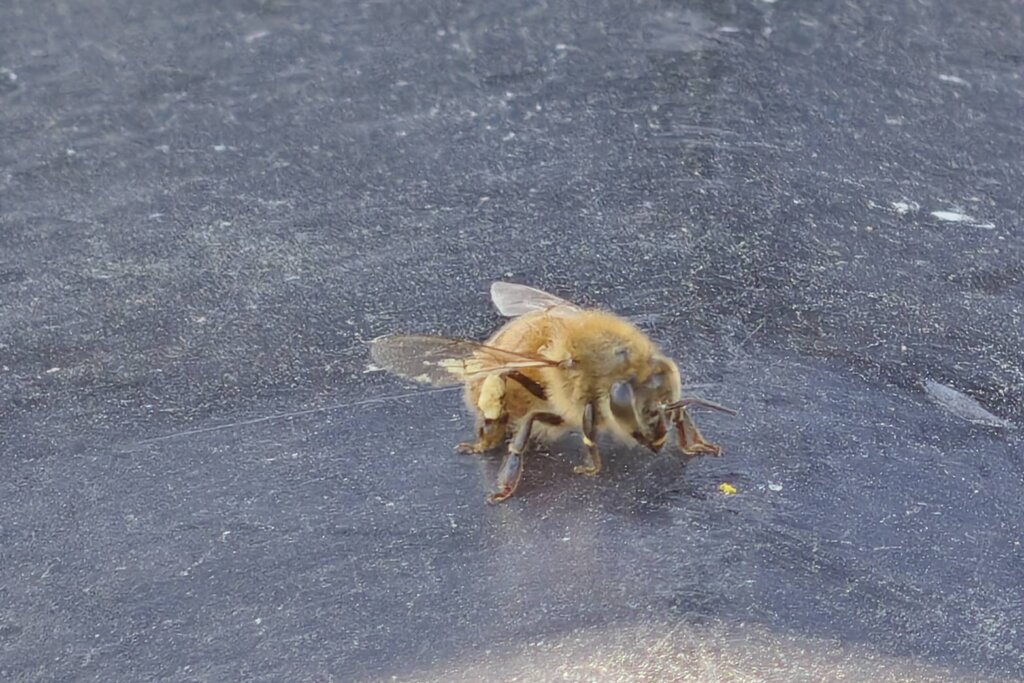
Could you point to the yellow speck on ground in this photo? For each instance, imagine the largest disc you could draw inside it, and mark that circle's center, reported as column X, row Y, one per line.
column 727, row 488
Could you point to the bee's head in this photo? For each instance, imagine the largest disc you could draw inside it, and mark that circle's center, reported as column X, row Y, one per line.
column 638, row 403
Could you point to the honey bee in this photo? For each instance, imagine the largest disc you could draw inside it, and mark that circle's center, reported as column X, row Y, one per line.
column 554, row 367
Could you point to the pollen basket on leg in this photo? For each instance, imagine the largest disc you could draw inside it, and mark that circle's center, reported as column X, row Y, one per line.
column 492, row 397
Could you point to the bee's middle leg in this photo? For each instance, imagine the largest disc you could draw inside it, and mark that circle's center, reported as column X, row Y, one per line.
column 592, row 460
column 691, row 441
column 512, row 465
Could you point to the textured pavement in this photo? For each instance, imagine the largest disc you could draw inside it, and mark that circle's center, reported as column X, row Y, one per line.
column 207, row 209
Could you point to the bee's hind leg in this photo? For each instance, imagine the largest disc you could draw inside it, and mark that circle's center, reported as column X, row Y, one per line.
column 492, row 416
column 691, row 441
column 489, row 434
column 511, row 470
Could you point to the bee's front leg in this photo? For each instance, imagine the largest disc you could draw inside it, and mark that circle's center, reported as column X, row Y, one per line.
column 512, row 466
column 592, row 460
column 690, row 439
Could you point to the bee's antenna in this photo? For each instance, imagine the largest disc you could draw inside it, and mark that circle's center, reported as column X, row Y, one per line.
column 699, row 403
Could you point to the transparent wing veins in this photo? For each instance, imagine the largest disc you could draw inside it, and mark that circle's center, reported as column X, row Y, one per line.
column 513, row 300
column 444, row 361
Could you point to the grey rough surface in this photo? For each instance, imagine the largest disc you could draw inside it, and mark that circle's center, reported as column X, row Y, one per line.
column 207, row 208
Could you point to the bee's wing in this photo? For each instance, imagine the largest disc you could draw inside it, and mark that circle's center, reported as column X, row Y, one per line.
column 444, row 361
column 513, row 300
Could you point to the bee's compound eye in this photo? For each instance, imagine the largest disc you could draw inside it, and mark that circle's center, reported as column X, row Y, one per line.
column 621, row 395
column 621, row 400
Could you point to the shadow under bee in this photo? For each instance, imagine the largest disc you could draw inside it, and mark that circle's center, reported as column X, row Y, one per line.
column 631, row 476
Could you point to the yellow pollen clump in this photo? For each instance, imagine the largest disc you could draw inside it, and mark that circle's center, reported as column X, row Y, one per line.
column 492, row 397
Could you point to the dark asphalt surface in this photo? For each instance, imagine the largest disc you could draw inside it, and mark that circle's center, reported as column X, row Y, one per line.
column 207, row 209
